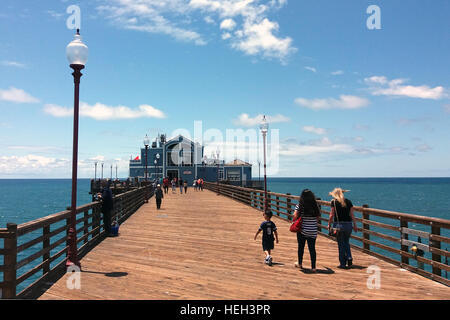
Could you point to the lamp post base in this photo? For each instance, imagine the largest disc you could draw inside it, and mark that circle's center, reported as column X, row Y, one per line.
column 72, row 259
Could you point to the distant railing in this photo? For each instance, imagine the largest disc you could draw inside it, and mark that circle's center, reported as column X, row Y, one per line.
column 44, row 231
column 392, row 233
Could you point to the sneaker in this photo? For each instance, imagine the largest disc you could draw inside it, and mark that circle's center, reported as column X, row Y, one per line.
column 266, row 260
column 269, row 260
column 349, row 262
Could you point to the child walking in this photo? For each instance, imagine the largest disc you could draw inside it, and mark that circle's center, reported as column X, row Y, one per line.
column 268, row 229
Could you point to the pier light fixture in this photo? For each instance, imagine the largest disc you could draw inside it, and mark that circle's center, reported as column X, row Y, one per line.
column 77, row 54
column 146, row 144
column 156, row 161
column 264, row 127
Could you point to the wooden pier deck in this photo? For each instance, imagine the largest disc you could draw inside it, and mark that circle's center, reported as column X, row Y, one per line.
column 200, row 246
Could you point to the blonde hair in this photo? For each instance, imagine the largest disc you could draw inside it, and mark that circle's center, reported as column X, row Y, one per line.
column 338, row 194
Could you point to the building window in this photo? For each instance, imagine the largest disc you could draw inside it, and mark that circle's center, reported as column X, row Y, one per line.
column 234, row 175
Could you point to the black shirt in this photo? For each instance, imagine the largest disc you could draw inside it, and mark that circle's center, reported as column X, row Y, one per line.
column 267, row 227
column 342, row 212
column 159, row 194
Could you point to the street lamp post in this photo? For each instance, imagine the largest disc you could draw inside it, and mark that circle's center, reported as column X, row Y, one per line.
column 77, row 54
column 146, row 143
column 95, row 174
column 264, row 128
column 156, row 162
column 102, row 172
column 111, row 172
column 116, row 172
column 218, row 165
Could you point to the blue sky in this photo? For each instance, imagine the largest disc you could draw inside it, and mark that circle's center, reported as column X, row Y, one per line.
column 346, row 100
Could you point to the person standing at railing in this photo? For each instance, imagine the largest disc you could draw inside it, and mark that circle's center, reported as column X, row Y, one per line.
column 308, row 210
column 107, row 207
column 342, row 217
column 181, row 186
column 158, row 196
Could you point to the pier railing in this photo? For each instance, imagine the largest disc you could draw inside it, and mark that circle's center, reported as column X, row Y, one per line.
column 38, row 249
column 385, row 234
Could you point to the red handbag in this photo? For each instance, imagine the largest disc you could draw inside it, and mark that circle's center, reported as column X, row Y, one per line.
column 296, row 226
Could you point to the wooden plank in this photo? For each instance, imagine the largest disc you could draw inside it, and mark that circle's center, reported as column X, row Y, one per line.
column 422, row 234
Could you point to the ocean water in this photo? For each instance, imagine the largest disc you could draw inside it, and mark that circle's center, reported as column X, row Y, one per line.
column 25, row 200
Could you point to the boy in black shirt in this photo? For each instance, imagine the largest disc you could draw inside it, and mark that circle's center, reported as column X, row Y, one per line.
column 269, row 229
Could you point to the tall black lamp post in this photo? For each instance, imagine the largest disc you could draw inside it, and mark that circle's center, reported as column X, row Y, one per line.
column 264, row 128
column 218, row 166
column 77, row 54
column 146, row 144
column 156, row 162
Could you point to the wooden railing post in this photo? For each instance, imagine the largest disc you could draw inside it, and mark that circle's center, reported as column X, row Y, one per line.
column 46, row 244
column 436, row 244
column 366, row 227
column 319, row 227
column 85, row 227
column 67, row 235
column 10, row 261
column 289, row 206
column 269, row 200
column 278, row 205
column 96, row 221
column 404, row 224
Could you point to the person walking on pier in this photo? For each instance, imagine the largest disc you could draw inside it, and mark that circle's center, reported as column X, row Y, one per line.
column 309, row 212
column 107, row 207
column 181, row 186
column 158, row 196
column 185, row 184
column 166, row 184
column 343, row 218
column 268, row 229
column 174, row 183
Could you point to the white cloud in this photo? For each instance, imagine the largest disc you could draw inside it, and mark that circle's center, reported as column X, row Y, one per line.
column 8, row 63
column 380, row 85
column 315, row 130
column 255, row 34
column 17, row 95
column 101, row 111
column 423, row 147
column 227, row 24
column 30, row 164
column 323, row 146
column 344, row 102
column 258, row 38
column 209, row 20
column 337, row 73
column 226, row 35
column 245, row 120
column 311, row 69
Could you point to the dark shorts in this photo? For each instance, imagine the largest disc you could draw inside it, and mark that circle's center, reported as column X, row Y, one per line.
column 267, row 244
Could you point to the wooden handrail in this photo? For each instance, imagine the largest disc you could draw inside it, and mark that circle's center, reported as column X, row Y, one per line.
column 398, row 227
column 88, row 234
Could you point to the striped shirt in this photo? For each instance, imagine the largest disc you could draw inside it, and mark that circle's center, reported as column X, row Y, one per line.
column 309, row 223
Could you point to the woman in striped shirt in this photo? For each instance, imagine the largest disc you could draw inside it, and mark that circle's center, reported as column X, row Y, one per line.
column 308, row 209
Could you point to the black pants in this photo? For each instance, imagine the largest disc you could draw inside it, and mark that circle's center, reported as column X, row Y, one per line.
column 166, row 189
column 311, row 247
column 107, row 221
column 185, row 189
column 158, row 203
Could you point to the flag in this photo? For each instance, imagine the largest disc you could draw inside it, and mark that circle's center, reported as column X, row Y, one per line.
column 137, row 158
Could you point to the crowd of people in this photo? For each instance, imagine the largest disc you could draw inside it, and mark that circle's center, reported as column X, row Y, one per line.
column 341, row 224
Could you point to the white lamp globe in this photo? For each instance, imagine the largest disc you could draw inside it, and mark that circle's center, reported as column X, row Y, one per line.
column 264, row 125
column 77, row 51
column 146, row 141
